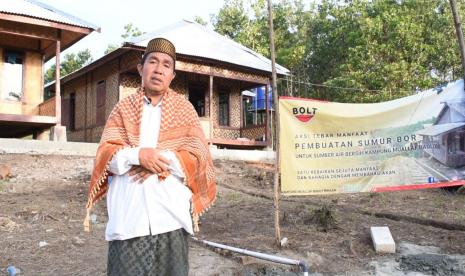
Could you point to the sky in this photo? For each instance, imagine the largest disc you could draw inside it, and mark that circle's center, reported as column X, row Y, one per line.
column 112, row 15
column 147, row 15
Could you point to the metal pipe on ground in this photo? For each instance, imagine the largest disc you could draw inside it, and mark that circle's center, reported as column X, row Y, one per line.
column 272, row 258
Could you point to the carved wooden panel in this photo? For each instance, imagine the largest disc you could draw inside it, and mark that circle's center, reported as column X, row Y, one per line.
column 220, row 72
column 253, row 133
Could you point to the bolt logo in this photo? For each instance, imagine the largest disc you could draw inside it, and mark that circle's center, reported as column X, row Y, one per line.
column 304, row 114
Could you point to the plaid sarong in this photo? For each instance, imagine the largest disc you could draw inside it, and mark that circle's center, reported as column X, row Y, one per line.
column 163, row 254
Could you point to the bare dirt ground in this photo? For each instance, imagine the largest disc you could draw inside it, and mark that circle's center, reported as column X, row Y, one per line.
column 44, row 202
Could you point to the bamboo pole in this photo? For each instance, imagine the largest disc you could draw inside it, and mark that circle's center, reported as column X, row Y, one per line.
column 57, row 81
column 458, row 30
column 275, row 104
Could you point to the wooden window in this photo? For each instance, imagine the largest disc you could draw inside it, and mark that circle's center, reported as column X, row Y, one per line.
column 72, row 111
column 12, row 76
column 101, row 99
column 223, row 112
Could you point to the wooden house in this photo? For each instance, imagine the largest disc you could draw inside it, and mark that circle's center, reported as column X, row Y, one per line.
column 211, row 71
column 32, row 33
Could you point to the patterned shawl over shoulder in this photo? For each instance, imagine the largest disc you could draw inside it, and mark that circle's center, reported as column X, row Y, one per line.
column 180, row 132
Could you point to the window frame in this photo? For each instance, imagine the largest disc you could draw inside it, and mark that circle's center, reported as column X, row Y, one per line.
column 22, row 56
column 224, row 92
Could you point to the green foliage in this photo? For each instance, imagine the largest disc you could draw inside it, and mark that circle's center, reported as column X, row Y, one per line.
column 324, row 218
column 200, row 20
column 231, row 19
column 394, row 46
column 381, row 49
column 71, row 62
column 110, row 48
column 131, row 31
column 247, row 23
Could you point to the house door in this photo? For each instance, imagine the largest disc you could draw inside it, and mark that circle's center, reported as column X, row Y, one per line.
column 197, row 99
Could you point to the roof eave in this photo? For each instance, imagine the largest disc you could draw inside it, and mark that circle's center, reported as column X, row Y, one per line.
column 83, row 70
column 63, row 48
column 47, row 23
column 246, row 68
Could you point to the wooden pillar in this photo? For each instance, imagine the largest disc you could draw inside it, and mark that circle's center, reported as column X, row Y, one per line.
column 241, row 125
column 58, row 132
column 57, row 80
column 85, row 107
column 210, row 94
column 267, row 121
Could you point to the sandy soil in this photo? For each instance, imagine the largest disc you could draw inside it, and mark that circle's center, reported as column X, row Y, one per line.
column 44, row 202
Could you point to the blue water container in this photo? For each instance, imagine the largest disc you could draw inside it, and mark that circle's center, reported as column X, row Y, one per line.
column 259, row 100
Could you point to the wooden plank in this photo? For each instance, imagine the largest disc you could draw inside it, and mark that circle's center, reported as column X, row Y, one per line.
column 3, row 31
column 18, row 43
column 22, row 29
column 45, row 23
column 239, row 142
column 17, row 118
column 33, row 86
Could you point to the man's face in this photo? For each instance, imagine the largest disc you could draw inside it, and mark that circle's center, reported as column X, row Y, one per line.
column 157, row 72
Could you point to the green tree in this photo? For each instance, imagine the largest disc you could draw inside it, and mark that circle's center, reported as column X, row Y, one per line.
column 380, row 49
column 247, row 23
column 130, row 32
column 200, row 20
column 397, row 47
column 232, row 19
column 71, row 62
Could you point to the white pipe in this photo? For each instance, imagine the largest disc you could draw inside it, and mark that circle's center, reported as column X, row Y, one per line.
column 263, row 256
